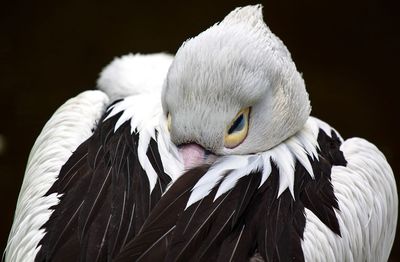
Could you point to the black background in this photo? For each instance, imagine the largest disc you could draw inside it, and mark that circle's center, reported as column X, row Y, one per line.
column 50, row 51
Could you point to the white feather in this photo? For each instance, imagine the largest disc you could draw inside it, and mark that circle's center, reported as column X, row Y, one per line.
column 300, row 154
column 253, row 164
column 309, row 140
column 285, row 162
column 207, row 182
column 266, row 168
column 170, row 157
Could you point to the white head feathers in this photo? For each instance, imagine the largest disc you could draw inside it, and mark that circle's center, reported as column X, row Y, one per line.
column 235, row 64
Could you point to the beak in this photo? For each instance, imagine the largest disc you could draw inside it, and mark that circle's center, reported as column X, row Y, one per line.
column 194, row 155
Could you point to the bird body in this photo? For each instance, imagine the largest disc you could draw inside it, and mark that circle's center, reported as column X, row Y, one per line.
column 107, row 178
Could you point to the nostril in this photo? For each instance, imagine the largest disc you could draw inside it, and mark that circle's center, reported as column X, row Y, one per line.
column 207, row 153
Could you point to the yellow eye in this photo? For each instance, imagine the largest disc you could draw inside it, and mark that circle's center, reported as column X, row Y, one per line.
column 237, row 130
column 169, row 121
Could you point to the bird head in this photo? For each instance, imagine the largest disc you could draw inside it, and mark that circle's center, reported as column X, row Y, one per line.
column 234, row 89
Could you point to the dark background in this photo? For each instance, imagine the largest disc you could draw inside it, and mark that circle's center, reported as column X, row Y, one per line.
column 50, row 51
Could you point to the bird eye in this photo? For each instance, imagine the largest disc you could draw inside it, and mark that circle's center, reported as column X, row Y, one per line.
column 169, row 121
column 236, row 131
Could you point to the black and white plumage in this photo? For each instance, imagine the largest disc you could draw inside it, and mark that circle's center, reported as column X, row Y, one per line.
column 106, row 181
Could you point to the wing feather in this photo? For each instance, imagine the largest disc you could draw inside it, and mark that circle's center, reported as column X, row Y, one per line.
column 367, row 198
column 69, row 126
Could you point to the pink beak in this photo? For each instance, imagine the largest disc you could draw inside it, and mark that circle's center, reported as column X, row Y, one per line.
column 194, row 155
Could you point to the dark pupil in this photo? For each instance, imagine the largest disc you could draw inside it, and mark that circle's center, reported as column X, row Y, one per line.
column 237, row 125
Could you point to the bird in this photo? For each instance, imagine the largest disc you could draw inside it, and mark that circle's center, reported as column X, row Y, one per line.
column 208, row 155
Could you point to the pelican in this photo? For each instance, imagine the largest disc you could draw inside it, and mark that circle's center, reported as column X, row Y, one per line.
column 210, row 155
